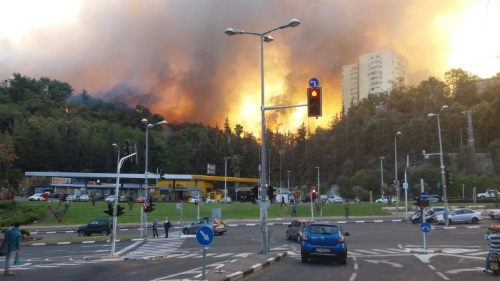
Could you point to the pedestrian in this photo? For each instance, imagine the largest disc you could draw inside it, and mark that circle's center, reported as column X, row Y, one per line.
column 346, row 209
column 283, row 201
column 155, row 228
column 294, row 210
column 13, row 237
column 166, row 225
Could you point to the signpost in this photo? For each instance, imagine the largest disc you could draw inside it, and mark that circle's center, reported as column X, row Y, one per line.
column 204, row 237
column 425, row 227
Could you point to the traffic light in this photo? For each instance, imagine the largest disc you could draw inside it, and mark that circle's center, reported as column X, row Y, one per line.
column 151, row 205
column 119, row 211
column 110, row 209
column 313, row 191
column 449, row 179
column 146, row 208
column 314, row 102
column 270, row 193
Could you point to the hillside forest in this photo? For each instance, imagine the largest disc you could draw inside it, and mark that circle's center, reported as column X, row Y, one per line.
column 45, row 126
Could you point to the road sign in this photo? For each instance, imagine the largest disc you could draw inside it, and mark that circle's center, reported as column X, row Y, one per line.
column 314, row 82
column 424, row 196
column 445, row 215
column 425, row 227
column 405, row 185
column 204, row 235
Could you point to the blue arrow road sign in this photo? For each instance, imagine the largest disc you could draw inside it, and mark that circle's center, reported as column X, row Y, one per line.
column 424, row 196
column 445, row 215
column 204, row 235
column 314, row 82
column 425, row 227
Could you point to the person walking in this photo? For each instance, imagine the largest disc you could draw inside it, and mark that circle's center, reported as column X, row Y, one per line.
column 155, row 228
column 294, row 210
column 346, row 209
column 283, row 201
column 166, row 224
column 13, row 237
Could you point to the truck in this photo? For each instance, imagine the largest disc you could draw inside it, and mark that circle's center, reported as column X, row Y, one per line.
column 487, row 194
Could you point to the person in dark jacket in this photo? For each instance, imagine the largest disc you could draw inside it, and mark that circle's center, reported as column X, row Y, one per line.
column 166, row 224
column 13, row 237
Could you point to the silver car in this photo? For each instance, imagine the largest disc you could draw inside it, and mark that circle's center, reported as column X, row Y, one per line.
column 461, row 216
column 296, row 229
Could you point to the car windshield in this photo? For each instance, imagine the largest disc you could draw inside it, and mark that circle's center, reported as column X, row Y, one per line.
column 323, row 229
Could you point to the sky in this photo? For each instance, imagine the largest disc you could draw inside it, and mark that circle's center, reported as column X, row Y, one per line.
column 173, row 57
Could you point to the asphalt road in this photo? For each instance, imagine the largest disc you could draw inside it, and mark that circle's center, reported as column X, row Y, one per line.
column 377, row 251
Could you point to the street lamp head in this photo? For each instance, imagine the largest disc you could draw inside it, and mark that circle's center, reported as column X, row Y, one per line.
column 161, row 122
column 382, row 157
column 444, row 107
column 233, row 31
column 268, row 38
column 144, row 120
column 114, row 144
column 398, row 133
column 431, row 114
column 291, row 23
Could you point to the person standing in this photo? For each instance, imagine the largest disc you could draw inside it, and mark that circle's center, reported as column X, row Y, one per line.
column 294, row 210
column 493, row 237
column 346, row 209
column 166, row 224
column 155, row 228
column 13, row 237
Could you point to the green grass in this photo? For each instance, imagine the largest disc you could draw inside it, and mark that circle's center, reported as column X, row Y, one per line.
column 80, row 213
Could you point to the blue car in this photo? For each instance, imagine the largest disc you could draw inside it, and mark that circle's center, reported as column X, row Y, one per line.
column 324, row 240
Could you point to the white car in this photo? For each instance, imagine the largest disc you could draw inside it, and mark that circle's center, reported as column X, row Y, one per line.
column 37, row 197
column 84, row 198
column 494, row 214
column 110, row 199
column 487, row 194
column 335, row 199
column 461, row 215
column 195, row 199
column 384, row 200
column 70, row 198
column 226, row 200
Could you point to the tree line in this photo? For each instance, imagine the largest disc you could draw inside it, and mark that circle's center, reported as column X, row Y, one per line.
column 45, row 126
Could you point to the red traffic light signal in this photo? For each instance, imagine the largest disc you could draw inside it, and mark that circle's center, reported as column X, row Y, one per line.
column 314, row 102
column 146, row 209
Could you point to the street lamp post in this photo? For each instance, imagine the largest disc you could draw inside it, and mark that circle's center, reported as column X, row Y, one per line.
column 319, row 195
column 382, row 173
column 396, row 182
column 145, row 121
column 443, row 177
column 288, row 172
column 225, row 177
column 264, row 204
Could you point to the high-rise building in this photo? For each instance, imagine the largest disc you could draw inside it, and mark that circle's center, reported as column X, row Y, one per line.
column 373, row 74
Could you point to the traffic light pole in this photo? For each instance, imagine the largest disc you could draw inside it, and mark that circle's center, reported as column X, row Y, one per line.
column 115, row 205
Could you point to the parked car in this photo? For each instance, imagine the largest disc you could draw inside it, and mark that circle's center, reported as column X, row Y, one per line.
column 226, row 200
column 141, row 199
column 324, row 240
column 83, row 198
column 463, row 215
column 70, row 198
column 487, row 194
column 384, row 200
column 37, row 197
column 110, row 199
column 195, row 199
column 96, row 226
column 335, row 199
column 296, row 229
column 122, row 198
column 434, row 198
column 435, row 211
column 216, row 224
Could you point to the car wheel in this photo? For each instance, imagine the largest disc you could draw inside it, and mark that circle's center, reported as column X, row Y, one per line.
column 305, row 259
column 81, row 233
column 378, row 202
column 482, row 197
column 414, row 221
column 288, row 235
column 475, row 220
column 343, row 261
column 299, row 239
column 185, row 231
column 104, row 232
